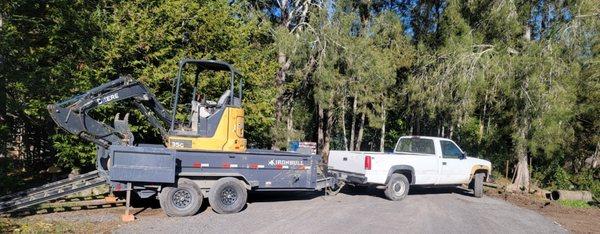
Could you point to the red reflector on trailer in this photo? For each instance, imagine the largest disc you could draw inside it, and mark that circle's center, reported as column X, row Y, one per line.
column 197, row 165
column 367, row 162
column 279, row 166
column 301, row 167
column 253, row 166
column 226, row 165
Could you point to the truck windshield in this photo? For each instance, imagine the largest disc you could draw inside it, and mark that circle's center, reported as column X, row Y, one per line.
column 415, row 145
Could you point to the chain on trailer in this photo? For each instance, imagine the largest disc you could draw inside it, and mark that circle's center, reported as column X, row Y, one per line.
column 336, row 187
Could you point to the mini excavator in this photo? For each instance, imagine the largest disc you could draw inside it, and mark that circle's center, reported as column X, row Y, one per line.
column 212, row 126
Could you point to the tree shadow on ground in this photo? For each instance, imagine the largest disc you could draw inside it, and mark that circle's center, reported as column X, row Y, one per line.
column 283, row 196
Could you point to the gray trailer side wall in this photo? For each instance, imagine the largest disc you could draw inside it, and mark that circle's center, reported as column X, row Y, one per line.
column 264, row 170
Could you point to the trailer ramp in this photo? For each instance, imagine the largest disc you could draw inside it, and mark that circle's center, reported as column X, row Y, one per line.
column 51, row 191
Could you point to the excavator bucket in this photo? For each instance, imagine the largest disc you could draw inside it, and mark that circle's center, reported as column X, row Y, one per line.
column 122, row 126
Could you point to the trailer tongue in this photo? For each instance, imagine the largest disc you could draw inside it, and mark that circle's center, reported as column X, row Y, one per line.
column 203, row 155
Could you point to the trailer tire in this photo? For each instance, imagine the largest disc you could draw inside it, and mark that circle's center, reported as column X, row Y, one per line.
column 478, row 185
column 397, row 187
column 227, row 196
column 183, row 200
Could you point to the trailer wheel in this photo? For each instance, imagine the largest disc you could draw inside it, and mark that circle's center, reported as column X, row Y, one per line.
column 227, row 196
column 397, row 187
column 183, row 200
column 478, row 185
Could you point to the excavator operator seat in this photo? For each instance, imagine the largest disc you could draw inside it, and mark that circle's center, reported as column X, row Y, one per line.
column 224, row 97
column 206, row 116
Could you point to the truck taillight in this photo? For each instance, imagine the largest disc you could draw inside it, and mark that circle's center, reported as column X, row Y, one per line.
column 367, row 162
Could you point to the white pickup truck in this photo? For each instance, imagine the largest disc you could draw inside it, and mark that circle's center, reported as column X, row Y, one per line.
column 416, row 160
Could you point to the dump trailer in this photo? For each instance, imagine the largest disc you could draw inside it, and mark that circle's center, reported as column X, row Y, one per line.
column 203, row 154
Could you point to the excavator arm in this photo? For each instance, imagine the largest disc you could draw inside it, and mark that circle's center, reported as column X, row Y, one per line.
column 72, row 114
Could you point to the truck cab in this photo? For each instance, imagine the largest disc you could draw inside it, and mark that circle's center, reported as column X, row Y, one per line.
column 416, row 160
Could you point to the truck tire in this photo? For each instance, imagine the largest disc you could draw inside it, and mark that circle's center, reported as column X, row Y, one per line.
column 183, row 200
column 478, row 185
column 227, row 196
column 397, row 187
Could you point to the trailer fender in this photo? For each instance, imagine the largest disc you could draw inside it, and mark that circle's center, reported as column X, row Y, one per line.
column 205, row 179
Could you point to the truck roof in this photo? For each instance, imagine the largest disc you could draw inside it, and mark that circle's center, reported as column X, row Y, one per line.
column 426, row 137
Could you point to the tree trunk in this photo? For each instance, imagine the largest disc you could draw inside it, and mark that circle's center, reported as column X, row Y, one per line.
column 522, row 171
column 383, row 118
column 3, row 117
column 417, row 126
column 320, row 130
column 360, row 132
column 327, row 134
column 353, row 127
column 284, row 64
column 527, row 33
column 411, row 122
column 481, row 122
column 443, row 130
column 290, row 124
column 521, row 181
column 343, row 123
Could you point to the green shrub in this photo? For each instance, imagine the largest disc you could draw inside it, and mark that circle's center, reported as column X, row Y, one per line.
column 585, row 181
column 574, row 203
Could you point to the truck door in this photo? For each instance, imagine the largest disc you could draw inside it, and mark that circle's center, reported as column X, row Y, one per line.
column 454, row 169
column 420, row 153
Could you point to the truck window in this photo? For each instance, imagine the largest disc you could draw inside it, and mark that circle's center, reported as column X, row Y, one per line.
column 450, row 150
column 415, row 145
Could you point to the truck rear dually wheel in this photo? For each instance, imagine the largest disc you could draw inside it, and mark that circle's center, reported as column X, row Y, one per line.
column 397, row 187
column 227, row 196
column 183, row 200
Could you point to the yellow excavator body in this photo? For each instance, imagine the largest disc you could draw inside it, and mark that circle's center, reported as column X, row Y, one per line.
column 228, row 136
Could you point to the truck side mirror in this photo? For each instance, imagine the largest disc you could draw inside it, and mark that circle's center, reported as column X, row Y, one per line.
column 463, row 155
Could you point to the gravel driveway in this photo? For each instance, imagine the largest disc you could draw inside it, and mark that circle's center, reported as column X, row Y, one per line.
column 450, row 210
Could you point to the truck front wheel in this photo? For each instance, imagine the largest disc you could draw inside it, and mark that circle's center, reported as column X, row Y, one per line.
column 397, row 187
column 227, row 196
column 478, row 185
column 183, row 200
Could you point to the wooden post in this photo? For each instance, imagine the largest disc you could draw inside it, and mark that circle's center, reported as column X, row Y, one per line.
column 128, row 217
column 506, row 170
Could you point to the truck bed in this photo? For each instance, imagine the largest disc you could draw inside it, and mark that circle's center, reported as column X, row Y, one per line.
column 349, row 161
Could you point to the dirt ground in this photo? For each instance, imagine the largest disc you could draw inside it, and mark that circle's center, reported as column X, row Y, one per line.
column 576, row 220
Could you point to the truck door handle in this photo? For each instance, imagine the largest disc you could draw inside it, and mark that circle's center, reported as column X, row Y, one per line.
column 345, row 159
column 443, row 163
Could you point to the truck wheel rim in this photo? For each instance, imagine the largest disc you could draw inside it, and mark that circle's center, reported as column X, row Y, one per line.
column 228, row 196
column 398, row 188
column 181, row 198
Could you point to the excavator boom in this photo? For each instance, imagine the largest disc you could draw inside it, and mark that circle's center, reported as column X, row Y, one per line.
column 72, row 114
